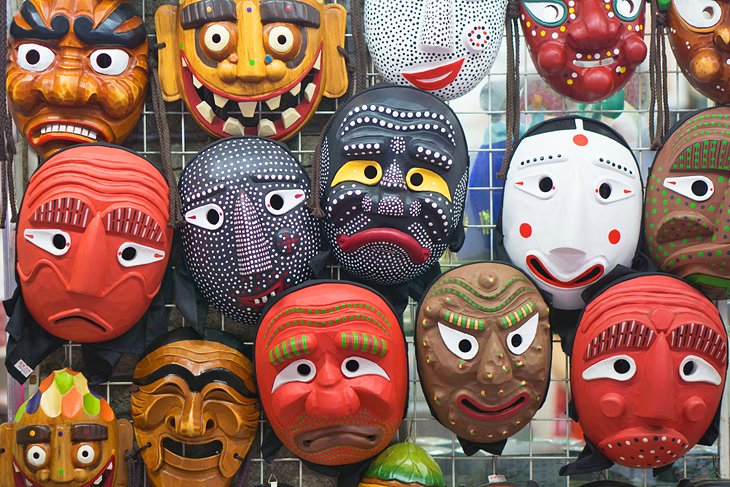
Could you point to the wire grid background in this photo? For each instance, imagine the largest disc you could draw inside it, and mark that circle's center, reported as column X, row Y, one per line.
column 551, row 439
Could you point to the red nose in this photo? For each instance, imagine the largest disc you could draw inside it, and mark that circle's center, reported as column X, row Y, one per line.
column 593, row 30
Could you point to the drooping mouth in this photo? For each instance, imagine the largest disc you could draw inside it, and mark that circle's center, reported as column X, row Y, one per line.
column 257, row 301
column 585, row 63
column 359, row 436
column 193, row 451
column 433, row 77
column 86, row 316
column 104, row 479
column 590, row 275
column 274, row 115
column 416, row 252
column 493, row 413
column 65, row 131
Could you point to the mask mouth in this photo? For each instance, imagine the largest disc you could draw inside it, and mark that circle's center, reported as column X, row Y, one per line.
column 644, row 448
column 74, row 315
column 358, row 436
column 433, row 76
column 193, row 451
column 493, row 413
column 590, row 275
column 104, row 479
column 352, row 243
column 584, row 63
column 257, row 301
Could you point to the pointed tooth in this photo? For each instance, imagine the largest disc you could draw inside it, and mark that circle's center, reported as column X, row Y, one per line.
column 318, row 62
column 233, row 127
column 273, row 103
column 205, row 111
column 295, row 91
column 220, row 101
column 184, row 63
column 309, row 92
column 248, row 108
column 98, row 481
column 264, row 299
column 196, row 82
column 15, row 467
column 28, row 483
column 289, row 117
column 110, row 466
column 266, row 128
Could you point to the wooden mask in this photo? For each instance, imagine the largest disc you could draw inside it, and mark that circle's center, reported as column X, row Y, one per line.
column 77, row 72
column 252, row 67
column 195, row 404
column 66, row 435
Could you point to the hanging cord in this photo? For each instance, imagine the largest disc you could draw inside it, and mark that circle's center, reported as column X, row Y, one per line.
column 6, row 127
column 135, row 466
column 358, row 37
column 240, row 477
column 313, row 203
column 158, row 105
column 659, row 103
column 512, row 95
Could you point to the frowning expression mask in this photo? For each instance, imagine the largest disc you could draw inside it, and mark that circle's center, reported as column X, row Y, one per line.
column 483, row 351
column 248, row 234
column 445, row 47
column 252, row 67
column 585, row 49
column 572, row 206
column 699, row 32
column 66, row 435
column 332, row 368
column 77, row 72
column 394, row 167
column 686, row 202
column 648, row 368
column 92, row 242
column 195, row 404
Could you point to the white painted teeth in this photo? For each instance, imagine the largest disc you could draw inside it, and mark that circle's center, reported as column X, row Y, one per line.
column 184, row 63
column 220, row 101
column 69, row 129
column 54, row 128
column 233, row 127
column 309, row 92
column 295, row 91
column 264, row 299
column 257, row 301
column 15, row 467
column 266, row 128
column 110, row 466
column 196, row 82
column 273, row 293
column 289, row 117
column 98, row 481
column 318, row 62
column 206, row 111
column 273, row 103
column 77, row 130
column 28, row 483
column 248, row 108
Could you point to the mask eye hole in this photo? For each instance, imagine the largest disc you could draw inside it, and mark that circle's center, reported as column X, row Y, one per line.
column 132, row 254
column 55, row 242
column 697, row 188
column 520, row 340
column 461, row 344
column 420, row 179
column 301, row 370
column 111, row 62
column 618, row 367
column 35, row 57
column 209, row 217
column 364, row 172
column 85, row 454
column 218, row 40
column 541, row 186
column 699, row 14
column 283, row 201
column 36, row 456
column 697, row 369
column 547, row 13
column 358, row 366
column 282, row 40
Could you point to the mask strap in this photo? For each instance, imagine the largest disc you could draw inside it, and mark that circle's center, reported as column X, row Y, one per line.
column 512, row 95
column 135, row 466
column 7, row 190
column 659, row 103
column 361, row 53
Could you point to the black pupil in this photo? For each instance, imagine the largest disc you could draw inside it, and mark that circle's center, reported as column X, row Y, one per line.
column 352, row 365
column 416, row 179
column 213, row 217
column 371, row 172
column 33, row 56
column 304, row 369
column 281, row 39
column 604, row 190
column 276, row 202
column 216, row 38
column 621, row 366
column 85, row 453
column 516, row 341
column 546, row 184
column 104, row 60
column 699, row 188
column 59, row 241
column 465, row 346
column 689, row 368
column 129, row 253
column 36, row 455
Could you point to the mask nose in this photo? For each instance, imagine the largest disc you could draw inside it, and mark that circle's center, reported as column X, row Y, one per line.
column 252, row 246
column 655, row 401
column 437, row 27
column 494, row 367
column 88, row 275
column 332, row 397
column 593, row 31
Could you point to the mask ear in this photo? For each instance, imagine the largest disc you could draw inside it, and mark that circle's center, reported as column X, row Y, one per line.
column 6, row 457
column 169, row 56
column 458, row 239
column 333, row 63
column 125, row 444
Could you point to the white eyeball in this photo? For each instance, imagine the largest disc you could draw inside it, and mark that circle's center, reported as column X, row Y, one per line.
column 520, row 340
column 54, row 241
column 358, row 366
column 111, row 62
column 697, row 188
column 35, row 57
column 298, row 371
column 696, row 369
column 85, row 454
column 461, row 344
column 618, row 367
column 36, row 456
column 132, row 254
column 209, row 217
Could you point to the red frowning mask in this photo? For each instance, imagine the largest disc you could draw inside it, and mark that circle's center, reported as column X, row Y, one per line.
column 92, row 242
column 332, row 372
column 648, row 370
column 584, row 49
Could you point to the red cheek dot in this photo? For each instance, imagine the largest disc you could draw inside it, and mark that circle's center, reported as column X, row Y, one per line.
column 580, row 139
column 525, row 230
column 614, row 236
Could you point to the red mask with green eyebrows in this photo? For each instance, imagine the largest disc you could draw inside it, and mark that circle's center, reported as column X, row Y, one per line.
column 648, row 370
column 332, row 372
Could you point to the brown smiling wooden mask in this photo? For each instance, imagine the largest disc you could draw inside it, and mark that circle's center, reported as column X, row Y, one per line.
column 252, row 67
column 195, row 404
column 483, row 352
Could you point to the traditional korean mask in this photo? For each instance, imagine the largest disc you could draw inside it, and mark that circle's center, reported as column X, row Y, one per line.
column 587, row 49
column 252, row 67
column 686, row 202
column 572, row 206
column 77, row 72
column 483, row 351
column 648, row 370
column 394, row 168
column 66, row 435
column 332, row 368
column 403, row 465
column 93, row 241
column 248, row 234
column 195, row 404
column 443, row 46
column 699, row 33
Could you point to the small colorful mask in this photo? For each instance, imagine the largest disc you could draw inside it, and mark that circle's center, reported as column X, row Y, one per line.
column 588, row 49
column 93, row 241
column 686, row 221
column 66, row 435
column 77, row 72
column 195, row 404
column 394, row 167
column 248, row 233
column 483, row 351
column 699, row 33
column 401, row 465
column 572, row 206
column 648, row 370
column 332, row 368
column 252, row 67
column 443, row 46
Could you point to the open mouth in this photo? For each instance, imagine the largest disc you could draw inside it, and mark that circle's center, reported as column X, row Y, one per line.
column 256, row 301
column 66, row 131
column 275, row 115
column 493, row 413
column 583, row 63
column 104, row 479
column 359, row 436
column 590, row 275
column 193, row 450
column 351, row 243
column 433, row 77
column 86, row 316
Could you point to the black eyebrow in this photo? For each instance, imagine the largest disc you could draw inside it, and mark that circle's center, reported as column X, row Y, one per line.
column 289, row 11
column 40, row 434
column 106, row 34
column 431, row 152
column 200, row 13
column 197, row 382
column 89, row 432
column 38, row 29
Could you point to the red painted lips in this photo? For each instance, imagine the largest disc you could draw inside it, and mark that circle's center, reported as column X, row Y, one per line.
column 590, row 275
column 352, row 243
column 434, row 78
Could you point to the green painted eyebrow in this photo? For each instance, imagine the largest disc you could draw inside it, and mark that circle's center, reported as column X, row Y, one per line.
column 517, row 315
column 292, row 348
column 462, row 321
column 363, row 342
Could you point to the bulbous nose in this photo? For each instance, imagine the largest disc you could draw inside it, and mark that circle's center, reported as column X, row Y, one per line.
column 593, row 30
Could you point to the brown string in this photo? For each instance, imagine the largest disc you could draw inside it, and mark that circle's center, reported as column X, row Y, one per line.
column 6, row 132
column 659, row 103
column 358, row 37
column 512, row 95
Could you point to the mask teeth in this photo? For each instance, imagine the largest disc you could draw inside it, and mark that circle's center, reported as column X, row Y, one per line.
column 66, row 128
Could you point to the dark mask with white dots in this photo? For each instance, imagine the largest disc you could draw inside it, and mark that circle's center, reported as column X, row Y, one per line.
column 248, row 235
